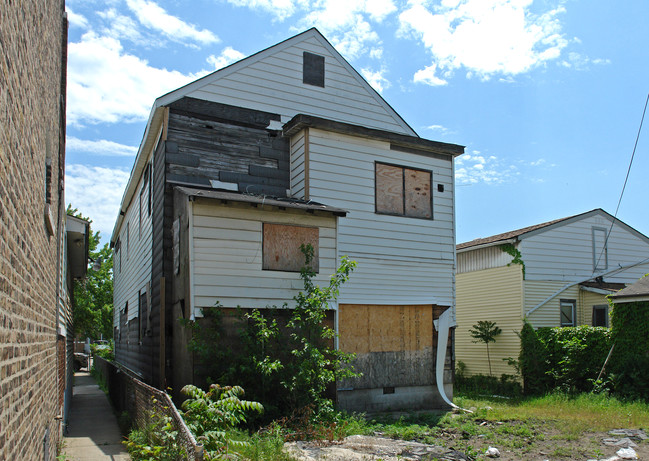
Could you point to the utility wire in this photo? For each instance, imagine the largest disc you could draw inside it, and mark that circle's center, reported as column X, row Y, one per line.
column 628, row 171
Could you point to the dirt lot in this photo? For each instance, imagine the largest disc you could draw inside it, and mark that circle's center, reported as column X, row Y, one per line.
column 515, row 440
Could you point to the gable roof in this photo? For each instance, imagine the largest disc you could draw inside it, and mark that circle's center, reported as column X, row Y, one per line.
column 312, row 33
column 519, row 234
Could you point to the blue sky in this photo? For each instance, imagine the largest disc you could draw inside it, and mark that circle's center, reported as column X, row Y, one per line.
column 546, row 95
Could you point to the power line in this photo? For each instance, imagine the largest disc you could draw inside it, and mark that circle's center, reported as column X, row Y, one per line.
column 628, row 171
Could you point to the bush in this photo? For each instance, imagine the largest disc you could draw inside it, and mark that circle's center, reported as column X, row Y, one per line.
column 568, row 358
column 629, row 361
column 506, row 385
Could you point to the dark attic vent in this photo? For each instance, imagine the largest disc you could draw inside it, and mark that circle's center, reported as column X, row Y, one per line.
column 313, row 69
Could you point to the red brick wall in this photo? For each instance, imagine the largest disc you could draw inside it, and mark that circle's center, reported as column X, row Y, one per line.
column 31, row 73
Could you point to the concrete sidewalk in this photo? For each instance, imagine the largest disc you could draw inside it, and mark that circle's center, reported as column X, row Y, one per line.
column 93, row 434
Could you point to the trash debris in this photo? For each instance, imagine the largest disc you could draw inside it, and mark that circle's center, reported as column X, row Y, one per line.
column 493, row 452
column 637, row 433
column 627, row 453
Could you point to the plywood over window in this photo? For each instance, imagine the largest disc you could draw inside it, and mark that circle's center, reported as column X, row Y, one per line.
column 403, row 191
column 281, row 247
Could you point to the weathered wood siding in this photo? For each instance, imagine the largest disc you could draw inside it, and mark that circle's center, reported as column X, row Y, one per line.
column 481, row 259
column 274, row 84
column 492, row 294
column 226, row 144
column 401, row 260
column 132, row 277
column 227, row 255
column 565, row 253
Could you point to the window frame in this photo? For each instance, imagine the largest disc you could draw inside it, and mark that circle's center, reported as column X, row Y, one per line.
column 573, row 303
column 604, row 308
column 403, row 190
column 600, row 264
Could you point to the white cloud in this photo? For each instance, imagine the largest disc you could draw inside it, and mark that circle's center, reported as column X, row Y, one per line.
column 376, row 79
column 346, row 24
column 281, row 9
column 439, row 128
column 75, row 19
column 473, row 168
column 105, row 84
column 484, row 37
column 227, row 57
column 578, row 61
column 97, row 193
column 121, row 27
column 151, row 15
column 101, row 147
column 427, row 76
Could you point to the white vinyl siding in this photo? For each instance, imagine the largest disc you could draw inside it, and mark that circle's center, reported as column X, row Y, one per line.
column 131, row 274
column 496, row 295
column 274, row 84
column 298, row 164
column 227, row 256
column 393, row 252
column 481, row 259
column 565, row 253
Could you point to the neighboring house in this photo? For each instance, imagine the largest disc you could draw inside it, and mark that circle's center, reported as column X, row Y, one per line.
column 237, row 169
column 636, row 293
column 36, row 268
column 553, row 274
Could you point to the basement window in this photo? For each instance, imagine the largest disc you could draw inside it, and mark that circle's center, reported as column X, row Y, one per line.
column 403, row 191
column 281, row 247
column 313, row 69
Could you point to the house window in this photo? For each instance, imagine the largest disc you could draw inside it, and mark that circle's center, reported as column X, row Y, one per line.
column 567, row 307
column 313, row 69
column 600, row 316
column 281, row 247
column 403, row 191
column 600, row 249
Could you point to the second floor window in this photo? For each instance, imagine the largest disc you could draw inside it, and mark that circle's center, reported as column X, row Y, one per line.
column 403, row 191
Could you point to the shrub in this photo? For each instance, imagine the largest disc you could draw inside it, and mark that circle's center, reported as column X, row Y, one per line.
column 568, row 358
column 629, row 361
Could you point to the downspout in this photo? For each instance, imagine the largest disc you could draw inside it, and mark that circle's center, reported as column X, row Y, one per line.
column 443, row 325
column 572, row 284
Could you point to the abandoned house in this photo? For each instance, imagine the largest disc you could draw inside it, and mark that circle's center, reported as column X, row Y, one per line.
column 237, row 169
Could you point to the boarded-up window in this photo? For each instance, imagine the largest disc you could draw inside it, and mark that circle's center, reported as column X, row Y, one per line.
column 281, row 247
column 313, row 69
column 600, row 249
column 403, row 191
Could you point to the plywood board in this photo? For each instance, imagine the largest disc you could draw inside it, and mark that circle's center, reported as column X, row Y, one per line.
column 373, row 328
column 281, row 247
column 389, row 189
column 418, row 193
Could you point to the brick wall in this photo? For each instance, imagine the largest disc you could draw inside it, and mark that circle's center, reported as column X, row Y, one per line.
column 31, row 129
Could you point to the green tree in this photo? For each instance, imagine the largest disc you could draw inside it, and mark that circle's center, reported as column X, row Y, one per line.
column 485, row 331
column 92, row 312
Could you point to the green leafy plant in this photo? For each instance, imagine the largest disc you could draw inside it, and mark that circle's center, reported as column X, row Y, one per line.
column 485, row 331
column 92, row 311
column 285, row 357
column 517, row 257
column 156, row 442
column 210, row 415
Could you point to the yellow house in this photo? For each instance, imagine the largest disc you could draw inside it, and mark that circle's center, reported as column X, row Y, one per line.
column 552, row 274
